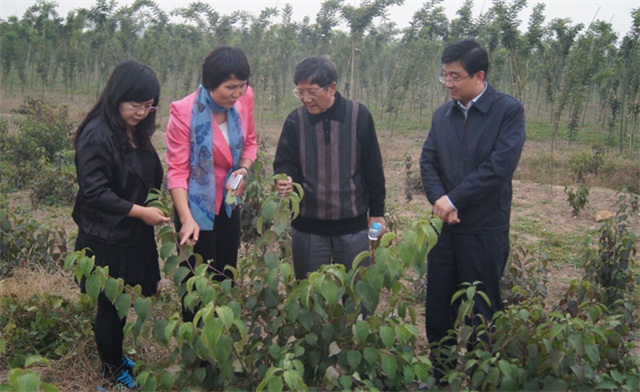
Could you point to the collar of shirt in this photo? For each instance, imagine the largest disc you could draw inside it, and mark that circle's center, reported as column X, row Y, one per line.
column 465, row 109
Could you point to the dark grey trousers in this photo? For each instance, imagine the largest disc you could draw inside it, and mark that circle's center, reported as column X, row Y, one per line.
column 311, row 251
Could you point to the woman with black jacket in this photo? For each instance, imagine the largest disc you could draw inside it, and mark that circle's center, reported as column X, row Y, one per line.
column 117, row 166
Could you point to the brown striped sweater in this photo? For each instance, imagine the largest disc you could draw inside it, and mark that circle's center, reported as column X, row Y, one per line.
column 336, row 158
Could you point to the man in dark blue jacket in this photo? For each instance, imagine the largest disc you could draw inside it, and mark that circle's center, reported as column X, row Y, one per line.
column 467, row 165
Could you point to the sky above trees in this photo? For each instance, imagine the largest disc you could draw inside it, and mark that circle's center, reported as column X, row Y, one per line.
column 617, row 12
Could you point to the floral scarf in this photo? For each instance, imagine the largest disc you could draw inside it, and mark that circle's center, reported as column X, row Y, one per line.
column 202, row 182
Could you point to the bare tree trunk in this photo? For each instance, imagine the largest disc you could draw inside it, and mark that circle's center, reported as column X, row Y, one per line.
column 586, row 107
column 516, row 77
column 621, row 124
column 634, row 119
column 353, row 65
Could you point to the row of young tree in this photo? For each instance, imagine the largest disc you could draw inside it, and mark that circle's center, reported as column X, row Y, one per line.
column 570, row 73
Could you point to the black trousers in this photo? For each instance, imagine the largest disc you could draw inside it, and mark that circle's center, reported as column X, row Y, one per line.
column 459, row 258
column 219, row 245
column 108, row 330
column 136, row 264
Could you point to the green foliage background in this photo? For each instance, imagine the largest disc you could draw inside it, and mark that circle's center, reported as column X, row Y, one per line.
column 392, row 70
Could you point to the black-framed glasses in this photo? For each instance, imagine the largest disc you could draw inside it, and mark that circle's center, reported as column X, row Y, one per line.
column 311, row 93
column 442, row 78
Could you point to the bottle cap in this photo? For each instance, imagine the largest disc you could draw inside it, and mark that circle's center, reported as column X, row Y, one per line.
column 376, row 225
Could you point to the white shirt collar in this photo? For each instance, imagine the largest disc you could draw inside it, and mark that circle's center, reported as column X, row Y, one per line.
column 465, row 109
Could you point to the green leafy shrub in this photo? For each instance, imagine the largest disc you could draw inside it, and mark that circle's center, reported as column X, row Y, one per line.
column 257, row 186
column 4, row 135
column 563, row 352
column 39, row 156
column 22, row 379
column 265, row 330
column 525, row 277
column 610, row 264
column 582, row 165
column 4, row 202
column 44, row 132
column 53, row 184
column 529, row 348
column 47, row 325
column 577, row 198
column 24, row 241
column 10, row 180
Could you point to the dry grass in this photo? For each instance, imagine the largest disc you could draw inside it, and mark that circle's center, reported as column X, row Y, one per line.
column 27, row 282
column 78, row 370
column 539, row 165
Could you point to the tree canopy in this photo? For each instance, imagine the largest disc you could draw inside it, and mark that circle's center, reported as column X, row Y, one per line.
column 572, row 72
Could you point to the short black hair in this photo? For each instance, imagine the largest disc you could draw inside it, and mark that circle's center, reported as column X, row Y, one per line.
column 130, row 81
column 470, row 53
column 316, row 70
column 221, row 64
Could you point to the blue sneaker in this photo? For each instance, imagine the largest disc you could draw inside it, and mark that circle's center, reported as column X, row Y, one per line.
column 108, row 387
column 125, row 378
column 128, row 364
column 122, row 381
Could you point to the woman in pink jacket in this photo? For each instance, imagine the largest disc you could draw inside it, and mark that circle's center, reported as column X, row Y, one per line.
column 211, row 145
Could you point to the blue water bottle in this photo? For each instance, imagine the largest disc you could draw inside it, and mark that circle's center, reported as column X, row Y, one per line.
column 374, row 231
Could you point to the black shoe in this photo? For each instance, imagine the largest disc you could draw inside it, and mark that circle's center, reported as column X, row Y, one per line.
column 119, row 380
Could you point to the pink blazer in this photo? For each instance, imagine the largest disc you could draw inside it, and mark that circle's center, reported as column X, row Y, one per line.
column 179, row 143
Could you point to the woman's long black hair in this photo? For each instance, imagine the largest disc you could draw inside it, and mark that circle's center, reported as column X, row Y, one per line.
column 130, row 81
